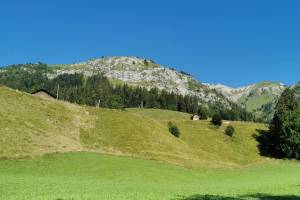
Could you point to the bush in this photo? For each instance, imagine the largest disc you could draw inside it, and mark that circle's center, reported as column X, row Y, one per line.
column 202, row 113
column 173, row 129
column 229, row 131
column 216, row 120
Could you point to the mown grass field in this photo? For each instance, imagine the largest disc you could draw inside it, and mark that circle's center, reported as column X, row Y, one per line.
column 55, row 150
column 83, row 176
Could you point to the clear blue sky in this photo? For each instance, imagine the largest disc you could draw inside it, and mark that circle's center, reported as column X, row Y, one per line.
column 234, row 42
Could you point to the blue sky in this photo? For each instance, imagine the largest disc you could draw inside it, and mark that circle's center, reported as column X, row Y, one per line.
column 233, row 42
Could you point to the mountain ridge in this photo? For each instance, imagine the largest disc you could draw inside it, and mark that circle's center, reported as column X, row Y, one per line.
column 152, row 65
column 142, row 72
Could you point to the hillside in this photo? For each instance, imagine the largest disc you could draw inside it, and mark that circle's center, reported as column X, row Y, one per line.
column 31, row 126
column 258, row 98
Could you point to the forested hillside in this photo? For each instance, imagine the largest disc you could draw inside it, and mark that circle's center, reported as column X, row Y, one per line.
column 119, row 82
column 97, row 90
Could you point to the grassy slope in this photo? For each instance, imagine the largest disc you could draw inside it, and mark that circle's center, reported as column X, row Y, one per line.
column 210, row 143
column 256, row 101
column 89, row 176
column 32, row 126
column 144, row 133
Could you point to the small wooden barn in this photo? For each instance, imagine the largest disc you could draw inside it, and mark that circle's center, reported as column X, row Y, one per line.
column 44, row 94
column 195, row 117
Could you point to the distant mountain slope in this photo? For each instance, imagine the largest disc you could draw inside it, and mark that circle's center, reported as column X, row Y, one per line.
column 32, row 126
column 259, row 98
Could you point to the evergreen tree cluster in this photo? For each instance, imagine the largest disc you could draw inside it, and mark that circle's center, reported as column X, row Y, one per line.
column 27, row 77
column 284, row 136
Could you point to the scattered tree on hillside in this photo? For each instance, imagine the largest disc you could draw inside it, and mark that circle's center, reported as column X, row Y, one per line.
column 216, row 120
column 229, row 131
column 202, row 112
column 173, row 129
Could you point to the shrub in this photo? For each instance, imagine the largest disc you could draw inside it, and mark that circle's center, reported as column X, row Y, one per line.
column 202, row 113
column 173, row 129
column 216, row 120
column 229, row 131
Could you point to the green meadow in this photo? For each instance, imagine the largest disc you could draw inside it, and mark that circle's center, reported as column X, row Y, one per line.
column 54, row 150
column 94, row 176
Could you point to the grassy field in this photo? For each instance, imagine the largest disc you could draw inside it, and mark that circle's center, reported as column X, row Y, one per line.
column 53, row 150
column 83, row 176
column 31, row 126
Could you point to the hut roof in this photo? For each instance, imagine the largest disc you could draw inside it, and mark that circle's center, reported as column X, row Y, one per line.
column 45, row 91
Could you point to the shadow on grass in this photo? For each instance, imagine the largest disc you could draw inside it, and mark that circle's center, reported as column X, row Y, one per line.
column 254, row 196
column 206, row 197
column 265, row 145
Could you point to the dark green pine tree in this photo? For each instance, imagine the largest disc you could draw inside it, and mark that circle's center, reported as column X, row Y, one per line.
column 285, row 127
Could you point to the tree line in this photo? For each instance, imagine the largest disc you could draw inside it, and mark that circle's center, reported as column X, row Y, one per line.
column 97, row 90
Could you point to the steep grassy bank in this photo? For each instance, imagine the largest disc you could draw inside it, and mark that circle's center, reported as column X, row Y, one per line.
column 32, row 126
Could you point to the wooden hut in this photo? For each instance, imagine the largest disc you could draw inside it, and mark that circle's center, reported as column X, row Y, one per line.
column 195, row 117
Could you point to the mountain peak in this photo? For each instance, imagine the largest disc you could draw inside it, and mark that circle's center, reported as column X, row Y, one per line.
column 121, row 63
